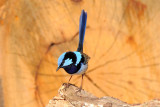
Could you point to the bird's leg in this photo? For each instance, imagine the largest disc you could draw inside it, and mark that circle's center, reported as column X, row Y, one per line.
column 81, row 84
column 82, row 81
column 69, row 80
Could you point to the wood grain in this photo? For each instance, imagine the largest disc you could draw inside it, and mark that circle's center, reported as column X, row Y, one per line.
column 122, row 39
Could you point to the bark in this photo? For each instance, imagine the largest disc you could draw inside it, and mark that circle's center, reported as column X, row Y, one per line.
column 72, row 96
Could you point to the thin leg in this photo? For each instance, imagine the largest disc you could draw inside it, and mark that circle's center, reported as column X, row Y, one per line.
column 69, row 80
column 82, row 81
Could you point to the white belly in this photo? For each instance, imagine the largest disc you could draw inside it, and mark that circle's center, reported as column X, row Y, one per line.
column 82, row 70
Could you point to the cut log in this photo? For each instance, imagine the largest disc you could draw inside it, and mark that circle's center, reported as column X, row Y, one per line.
column 73, row 96
column 122, row 38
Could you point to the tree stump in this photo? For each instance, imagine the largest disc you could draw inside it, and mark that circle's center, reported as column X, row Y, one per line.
column 72, row 96
column 122, row 39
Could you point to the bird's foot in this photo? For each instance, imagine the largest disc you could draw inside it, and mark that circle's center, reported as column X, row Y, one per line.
column 78, row 90
column 66, row 85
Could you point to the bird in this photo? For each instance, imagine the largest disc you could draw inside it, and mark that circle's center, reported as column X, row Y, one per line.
column 76, row 62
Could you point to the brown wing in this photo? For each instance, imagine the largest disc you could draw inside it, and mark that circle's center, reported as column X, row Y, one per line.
column 86, row 57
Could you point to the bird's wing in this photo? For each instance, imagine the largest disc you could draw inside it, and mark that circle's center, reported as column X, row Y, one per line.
column 82, row 28
column 86, row 58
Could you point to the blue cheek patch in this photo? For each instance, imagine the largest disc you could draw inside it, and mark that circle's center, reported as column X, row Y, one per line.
column 79, row 56
column 67, row 62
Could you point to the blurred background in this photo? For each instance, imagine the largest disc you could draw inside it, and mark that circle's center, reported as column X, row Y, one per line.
column 122, row 38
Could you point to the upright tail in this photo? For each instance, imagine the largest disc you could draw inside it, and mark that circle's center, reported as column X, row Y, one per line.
column 82, row 28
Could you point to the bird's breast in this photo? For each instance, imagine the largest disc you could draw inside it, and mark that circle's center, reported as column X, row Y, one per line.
column 75, row 70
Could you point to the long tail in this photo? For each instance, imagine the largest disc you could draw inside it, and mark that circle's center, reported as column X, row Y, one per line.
column 82, row 28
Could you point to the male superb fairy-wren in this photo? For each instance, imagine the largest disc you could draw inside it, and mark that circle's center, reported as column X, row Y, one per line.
column 76, row 62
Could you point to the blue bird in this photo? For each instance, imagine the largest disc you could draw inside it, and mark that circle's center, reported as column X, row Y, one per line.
column 76, row 62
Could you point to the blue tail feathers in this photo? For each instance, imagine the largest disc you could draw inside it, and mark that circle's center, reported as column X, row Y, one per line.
column 82, row 28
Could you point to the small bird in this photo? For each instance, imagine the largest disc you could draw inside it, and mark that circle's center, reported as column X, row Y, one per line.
column 76, row 63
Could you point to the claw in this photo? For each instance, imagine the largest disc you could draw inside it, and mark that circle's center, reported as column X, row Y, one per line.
column 79, row 90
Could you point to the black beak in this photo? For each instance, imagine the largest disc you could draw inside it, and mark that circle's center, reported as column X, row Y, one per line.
column 57, row 69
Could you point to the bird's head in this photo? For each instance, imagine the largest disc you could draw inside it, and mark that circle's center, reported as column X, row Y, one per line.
column 66, row 59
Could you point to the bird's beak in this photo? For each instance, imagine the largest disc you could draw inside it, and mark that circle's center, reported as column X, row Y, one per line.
column 57, row 69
